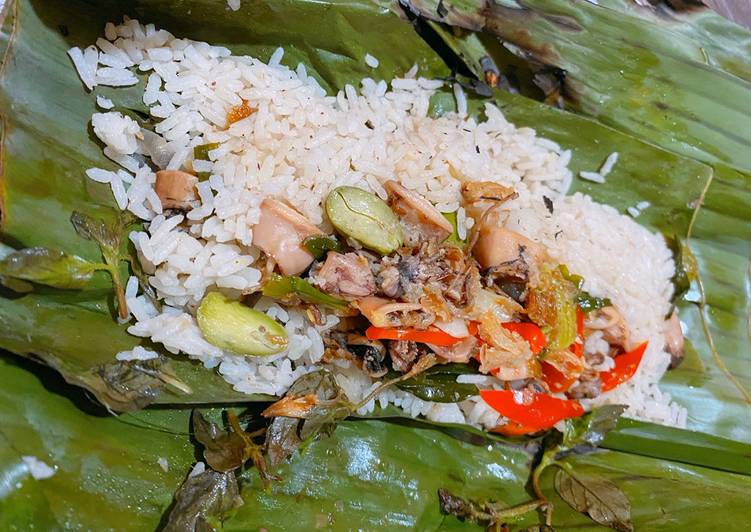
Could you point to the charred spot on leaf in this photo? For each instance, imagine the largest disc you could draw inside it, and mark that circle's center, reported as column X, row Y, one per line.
column 453, row 505
column 544, row 53
column 491, row 70
column 548, row 204
column 441, row 9
column 205, row 498
column 664, row 6
column 128, row 384
column 446, row 12
column 552, row 82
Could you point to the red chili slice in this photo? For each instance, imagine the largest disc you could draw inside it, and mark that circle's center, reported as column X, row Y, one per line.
column 626, row 365
column 431, row 335
column 530, row 332
column 538, row 411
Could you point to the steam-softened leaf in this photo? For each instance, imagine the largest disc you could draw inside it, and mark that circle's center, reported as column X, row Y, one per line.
column 312, row 406
column 129, row 384
column 50, row 267
column 373, row 475
column 204, row 502
column 599, row 498
column 223, row 451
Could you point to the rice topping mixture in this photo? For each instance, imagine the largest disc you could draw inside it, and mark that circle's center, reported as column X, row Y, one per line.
column 232, row 133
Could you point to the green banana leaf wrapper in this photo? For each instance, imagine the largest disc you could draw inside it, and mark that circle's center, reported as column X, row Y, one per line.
column 108, row 474
column 371, row 475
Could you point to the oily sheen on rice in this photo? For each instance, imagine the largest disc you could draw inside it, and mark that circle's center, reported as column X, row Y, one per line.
column 301, row 143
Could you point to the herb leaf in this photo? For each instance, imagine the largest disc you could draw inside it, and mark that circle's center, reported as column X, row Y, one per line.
column 204, row 500
column 599, row 498
column 453, row 239
column 319, row 245
column 591, row 428
column 108, row 236
column 284, row 287
column 439, row 383
column 201, row 152
column 685, row 269
column 49, row 267
column 586, row 301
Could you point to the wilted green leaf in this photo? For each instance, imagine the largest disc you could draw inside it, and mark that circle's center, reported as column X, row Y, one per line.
column 223, row 451
column 229, row 450
column 591, row 428
column 282, row 439
column 439, row 383
column 292, row 286
column 599, row 498
column 319, row 245
column 295, row 423
column 109, row 237
column 685, row 268
column 204, row 500
column 126, row 385
column 50, row 267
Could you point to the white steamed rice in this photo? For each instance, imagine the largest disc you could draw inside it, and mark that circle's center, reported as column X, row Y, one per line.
column 300, row 144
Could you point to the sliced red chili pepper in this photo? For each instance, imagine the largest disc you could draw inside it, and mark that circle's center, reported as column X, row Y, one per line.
column 530, row 332
column 626, row 365
column 431, row 335
column 539, row 411
column 557, row 381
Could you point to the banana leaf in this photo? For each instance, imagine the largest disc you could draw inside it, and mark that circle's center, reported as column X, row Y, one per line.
column 108, row 474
